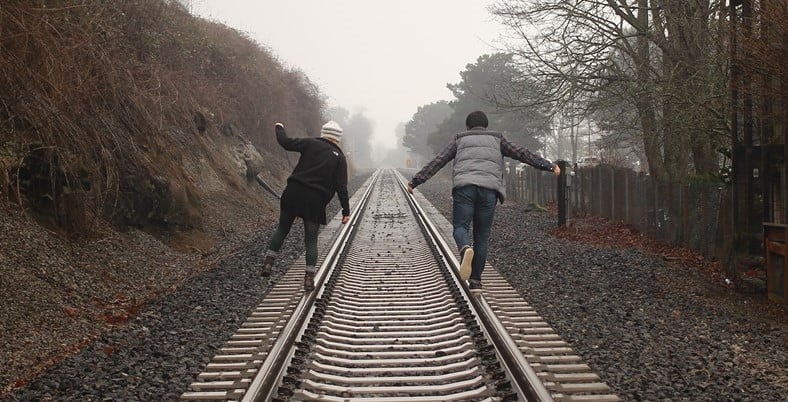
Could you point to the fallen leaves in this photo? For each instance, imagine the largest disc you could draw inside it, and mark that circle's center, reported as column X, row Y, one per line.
column 600, row 232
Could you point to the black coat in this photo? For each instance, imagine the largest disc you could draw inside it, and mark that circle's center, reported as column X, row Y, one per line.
column 322, row 167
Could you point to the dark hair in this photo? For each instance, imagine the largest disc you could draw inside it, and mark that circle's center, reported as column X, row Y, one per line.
column 476, row 119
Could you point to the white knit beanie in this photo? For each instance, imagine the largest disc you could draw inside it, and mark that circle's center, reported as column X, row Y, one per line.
column 331, row 130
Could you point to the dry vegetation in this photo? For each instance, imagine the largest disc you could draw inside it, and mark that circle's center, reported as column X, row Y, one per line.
column 130, row 133
column 106, row 108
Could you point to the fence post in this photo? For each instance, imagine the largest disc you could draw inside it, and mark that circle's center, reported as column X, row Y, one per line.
column 655, row 209
column 627, row 188
column 562, row 194
column 532, row 188
column 599, row 177
column 613, row 209
column 685, row 232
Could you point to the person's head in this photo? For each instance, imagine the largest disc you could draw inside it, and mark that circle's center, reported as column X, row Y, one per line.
column 476, row 119
column 331, row 131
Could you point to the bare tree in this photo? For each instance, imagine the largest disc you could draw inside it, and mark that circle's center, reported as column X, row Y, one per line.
column 658, row 57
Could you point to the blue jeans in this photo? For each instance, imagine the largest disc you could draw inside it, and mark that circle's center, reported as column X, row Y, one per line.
column 474, row 204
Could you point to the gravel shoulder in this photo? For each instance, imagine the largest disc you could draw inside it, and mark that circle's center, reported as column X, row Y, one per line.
column 162, row 336
column 654, row 330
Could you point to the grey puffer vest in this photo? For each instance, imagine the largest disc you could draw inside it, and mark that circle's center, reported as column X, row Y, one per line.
column 479, row 161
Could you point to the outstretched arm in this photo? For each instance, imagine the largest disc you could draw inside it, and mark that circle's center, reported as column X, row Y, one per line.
column 522, row 154
column 290, row 144
column 435, row 165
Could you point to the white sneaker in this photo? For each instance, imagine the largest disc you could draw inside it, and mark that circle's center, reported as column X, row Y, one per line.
column 466, row 260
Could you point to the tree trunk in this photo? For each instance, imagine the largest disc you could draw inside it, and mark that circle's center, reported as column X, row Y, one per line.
column 690, row 88
column 674, row 117
column 643, row 98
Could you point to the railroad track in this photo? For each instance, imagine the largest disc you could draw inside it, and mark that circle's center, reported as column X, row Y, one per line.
column 390, row 320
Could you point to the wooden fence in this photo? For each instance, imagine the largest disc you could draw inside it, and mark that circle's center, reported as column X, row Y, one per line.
column 695, row 216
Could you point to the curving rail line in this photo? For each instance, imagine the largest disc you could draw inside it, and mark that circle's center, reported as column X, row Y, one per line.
column 391, row 321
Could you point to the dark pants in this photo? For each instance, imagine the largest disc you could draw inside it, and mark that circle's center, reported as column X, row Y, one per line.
column 474, row 204
column 310, row 236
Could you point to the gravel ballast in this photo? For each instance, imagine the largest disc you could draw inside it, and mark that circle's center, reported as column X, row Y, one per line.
column 652, row 330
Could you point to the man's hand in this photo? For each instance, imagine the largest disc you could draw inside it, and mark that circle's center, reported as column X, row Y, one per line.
column 345, row 219
column 410, row 188
column 556, row 170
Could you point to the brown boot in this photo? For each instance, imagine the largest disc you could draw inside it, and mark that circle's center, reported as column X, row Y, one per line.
column 309, row 281
column 268, row 265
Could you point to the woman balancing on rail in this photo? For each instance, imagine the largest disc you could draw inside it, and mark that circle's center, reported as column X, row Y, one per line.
column 321, row 171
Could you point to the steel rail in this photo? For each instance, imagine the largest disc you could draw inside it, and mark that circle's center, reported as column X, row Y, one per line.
column 390, row 311
column 264, row 384
column 520, row 372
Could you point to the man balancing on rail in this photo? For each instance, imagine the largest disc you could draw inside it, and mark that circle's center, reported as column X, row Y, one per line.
column 320, row 172
column 477, row 178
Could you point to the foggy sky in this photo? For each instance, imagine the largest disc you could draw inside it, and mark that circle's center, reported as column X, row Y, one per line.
column 386, row 58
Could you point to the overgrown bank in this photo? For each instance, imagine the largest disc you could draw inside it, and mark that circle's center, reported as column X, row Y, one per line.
column 135, row 112
column 131, row 135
